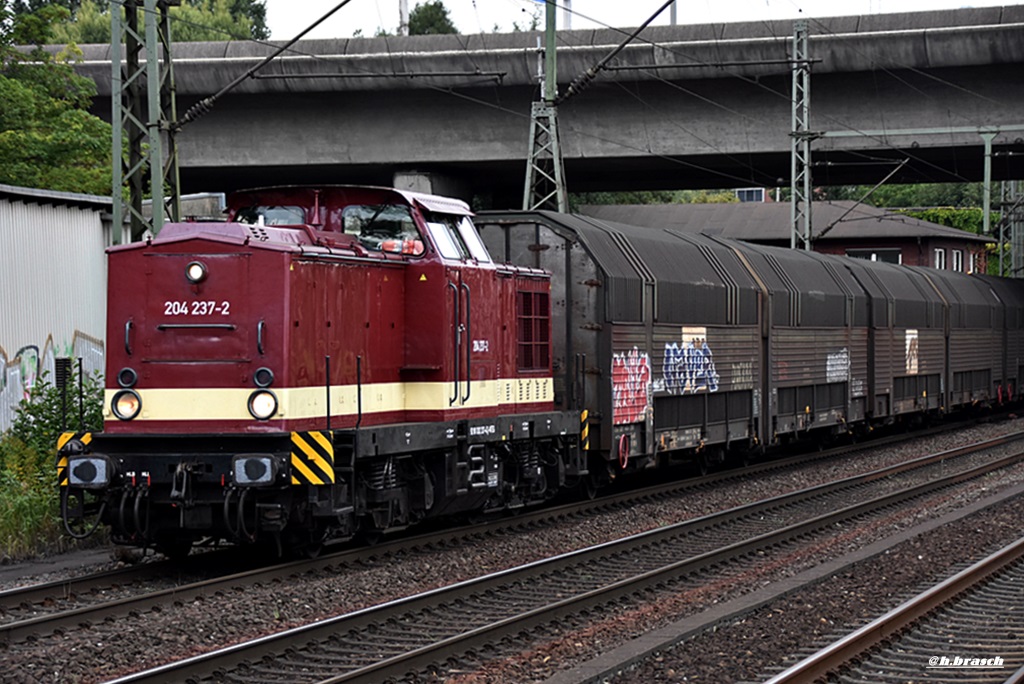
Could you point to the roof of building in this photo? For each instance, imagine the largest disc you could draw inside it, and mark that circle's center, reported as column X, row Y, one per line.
column 55, row 197
column 769, row 222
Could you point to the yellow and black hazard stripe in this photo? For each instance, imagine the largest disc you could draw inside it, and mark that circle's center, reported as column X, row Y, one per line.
column 585, row 430
column 62, row 460
column 312, row 458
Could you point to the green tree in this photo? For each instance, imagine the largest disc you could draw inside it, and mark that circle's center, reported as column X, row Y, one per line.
column 32, row 6
column 909, row 195
column 91, row 25
column 430, row 18
column 194, row 20
column 653, row 197
column 47, row 137
column 256, row 12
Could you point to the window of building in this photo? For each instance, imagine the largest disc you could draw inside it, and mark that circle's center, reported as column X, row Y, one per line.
column 958, row 260
column 534, row 319
column 940, row 259
column 750, row 195
column 889, row 256
column 974, row 263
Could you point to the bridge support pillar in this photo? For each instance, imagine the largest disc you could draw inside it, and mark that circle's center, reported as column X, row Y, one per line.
column 433, row 184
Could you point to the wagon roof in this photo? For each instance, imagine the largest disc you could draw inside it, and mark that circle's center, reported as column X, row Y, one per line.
column 770, row 222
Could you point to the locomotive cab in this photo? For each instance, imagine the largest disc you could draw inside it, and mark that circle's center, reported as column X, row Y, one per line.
column 329, row 360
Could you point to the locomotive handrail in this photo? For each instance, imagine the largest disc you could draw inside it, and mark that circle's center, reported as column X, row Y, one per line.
column 193, row 326
column 259, row 335
column 127, row 337
column 456, row 336
column 469, row 345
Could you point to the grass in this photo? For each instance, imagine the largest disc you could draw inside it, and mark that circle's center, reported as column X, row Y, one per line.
column 29, row 504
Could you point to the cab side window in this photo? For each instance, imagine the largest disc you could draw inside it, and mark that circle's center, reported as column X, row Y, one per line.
column 456, row 237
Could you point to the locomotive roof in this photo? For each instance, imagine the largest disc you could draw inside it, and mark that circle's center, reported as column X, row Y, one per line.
column 447, row 205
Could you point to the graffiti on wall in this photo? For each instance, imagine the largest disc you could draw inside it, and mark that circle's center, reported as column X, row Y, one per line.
column 690, row 366
column 631, row 386
column 911, row 346
column 837, row 366
column 20, row 372
column 743, row 375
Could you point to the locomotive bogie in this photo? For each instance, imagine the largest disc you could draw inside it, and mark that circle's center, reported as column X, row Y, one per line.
column 308, row 486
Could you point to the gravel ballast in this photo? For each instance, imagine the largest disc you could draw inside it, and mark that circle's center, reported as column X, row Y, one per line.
column 133, row 643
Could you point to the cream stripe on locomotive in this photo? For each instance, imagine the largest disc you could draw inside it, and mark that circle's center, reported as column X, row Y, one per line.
column 297, row 403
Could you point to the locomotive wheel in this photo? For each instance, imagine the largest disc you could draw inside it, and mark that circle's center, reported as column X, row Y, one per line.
column 368, row 531
column 174, row 548
column 304, row 543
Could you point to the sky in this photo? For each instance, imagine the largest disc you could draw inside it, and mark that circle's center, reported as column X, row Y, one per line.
column 287, row 18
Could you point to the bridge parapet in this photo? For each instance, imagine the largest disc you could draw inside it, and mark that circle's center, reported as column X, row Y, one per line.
column 920, row 40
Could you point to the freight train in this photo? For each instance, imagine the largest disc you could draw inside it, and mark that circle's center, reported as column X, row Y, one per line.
column 339, row 361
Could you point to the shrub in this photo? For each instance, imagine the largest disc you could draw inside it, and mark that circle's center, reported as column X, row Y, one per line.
column 29, row 498
column 48, row 411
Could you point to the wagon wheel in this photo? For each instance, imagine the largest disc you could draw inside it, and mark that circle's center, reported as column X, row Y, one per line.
column 703, row 464
column 589, row 485
column 370, row 536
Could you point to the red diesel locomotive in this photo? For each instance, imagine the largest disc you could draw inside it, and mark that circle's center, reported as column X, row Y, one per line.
column 330, row 361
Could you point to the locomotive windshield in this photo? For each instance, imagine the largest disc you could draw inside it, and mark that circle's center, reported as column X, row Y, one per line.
column 383, row 228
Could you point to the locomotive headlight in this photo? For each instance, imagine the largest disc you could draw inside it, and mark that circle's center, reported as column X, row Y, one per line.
column 254, row 469
column 90, row 472
column 195, row 271
column 262, row 404
column 126, row 404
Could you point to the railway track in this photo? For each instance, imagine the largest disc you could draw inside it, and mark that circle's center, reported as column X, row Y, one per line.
column 65, row 604
column 969, row 627
column 413, row 633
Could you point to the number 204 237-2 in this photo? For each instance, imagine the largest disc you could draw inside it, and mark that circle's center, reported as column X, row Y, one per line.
column 197, row 308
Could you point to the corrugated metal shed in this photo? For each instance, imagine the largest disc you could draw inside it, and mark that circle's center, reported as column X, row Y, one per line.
column 52, row 285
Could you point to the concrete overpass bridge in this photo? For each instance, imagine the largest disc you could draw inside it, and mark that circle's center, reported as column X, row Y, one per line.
column 703, row 106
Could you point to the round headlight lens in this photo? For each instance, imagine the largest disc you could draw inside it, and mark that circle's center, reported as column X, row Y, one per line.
column 126, row 404
column 262, row 404
column 195, row 271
